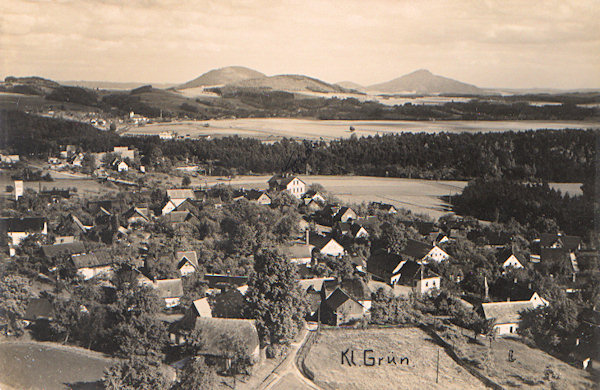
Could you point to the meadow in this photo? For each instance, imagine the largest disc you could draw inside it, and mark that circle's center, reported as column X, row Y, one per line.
column 272, row 129
column 324, row 360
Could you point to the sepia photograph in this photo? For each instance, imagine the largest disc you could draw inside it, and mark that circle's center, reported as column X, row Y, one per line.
column 299, row 195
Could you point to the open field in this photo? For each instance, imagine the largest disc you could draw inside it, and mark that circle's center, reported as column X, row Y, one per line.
column 29, row 365
column 272, row 129
column 324, row 360
column 527, row 369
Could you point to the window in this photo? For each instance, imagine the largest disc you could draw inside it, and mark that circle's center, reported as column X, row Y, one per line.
column 511, row 329
column 426, row 284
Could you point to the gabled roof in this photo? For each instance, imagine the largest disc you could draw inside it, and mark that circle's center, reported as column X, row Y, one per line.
column 315, row 284
column 570, row 243
column 356, row 288
column 505, row 312
column 39, row 308
column 504, row 289
column 283, row 180
column 416, row 249
column 56, row 250
column 553, row 254
column 355, row 228
column 297, row 251
column 202, row 307
column 321, row 241
column 178, row 216
column 504, row 254
column 411, row 272
column 188, row 205
column 215, row 330
column 343, row 211
column 337, row 298
column 25, row 224
column 255, row 194
column 191, row 256
column 92, row 259
column 382, row 262
column 168, row 288
column 180, row 193
column 143, row 212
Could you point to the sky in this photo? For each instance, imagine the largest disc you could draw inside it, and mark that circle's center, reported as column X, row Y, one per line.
column 489, row 43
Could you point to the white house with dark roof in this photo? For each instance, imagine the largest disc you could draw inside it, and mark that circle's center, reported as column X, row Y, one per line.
column 170, row 290
column 187, row 262
column 327, row 245
column 175, row 197
column 292, row 184
column 506, row 315
column 93, row 264
column 17, row 229
column 423, row 252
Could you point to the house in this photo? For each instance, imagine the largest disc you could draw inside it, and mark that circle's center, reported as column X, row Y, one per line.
column 558, row 259
column 170, row 290
column 175, row 197
column 57, row 251
column 299, row 253
column 509, row 291
column 437, row 238
column 187, row 262
column 311, row 196
column 354, row 287
column 285, row 182
column 54, row 195
column 175, row 218
column 384, row 266
column 340, row 308
column 418, row 277
column 38, row 309
column 15, row 230
column 137, row 215
column 568, row 243
column 345, row 214
column 357, row 231
column 193, row 206
column 121, row 166
column 9, row 159
column 93, row 264
column 506, row 315
column 327, row 245
column 511, row 258
column 385, row 207
column 423, row 252
column 260, row 197
column 217, row 332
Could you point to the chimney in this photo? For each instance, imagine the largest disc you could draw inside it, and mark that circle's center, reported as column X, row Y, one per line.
column 507, row 299
column 485, row 286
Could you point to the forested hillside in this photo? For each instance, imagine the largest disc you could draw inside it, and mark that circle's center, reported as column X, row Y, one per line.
column 550, row 155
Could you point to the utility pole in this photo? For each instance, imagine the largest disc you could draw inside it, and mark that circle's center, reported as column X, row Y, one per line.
column 437, row 368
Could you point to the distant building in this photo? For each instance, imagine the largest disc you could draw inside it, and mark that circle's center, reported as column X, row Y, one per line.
column 284, row 182
column 340, row 308
column 18, row 188
column 93, row 264
column 17, row 229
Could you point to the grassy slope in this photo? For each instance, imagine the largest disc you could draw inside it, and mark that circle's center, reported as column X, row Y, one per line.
column 324, row 360
column 44, row 366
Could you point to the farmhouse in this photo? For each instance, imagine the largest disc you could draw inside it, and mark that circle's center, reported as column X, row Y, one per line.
column 225, row 282
column 137, row 215
column 299, row 253
column 313, row 196
column 354, row 287
column 170, row 290
column 506, row 290
column 187, row 262
column 175, row 197
column 216, row 333
column 17, row 229
column 39, row 309
column 259, row 197
column 385, row 207
column 285, row 182
column 92, row 264
column 506, row 315
column 569, row 243
column 418, row 277
column 340, row 308
column 175, row 218
column 345, row 214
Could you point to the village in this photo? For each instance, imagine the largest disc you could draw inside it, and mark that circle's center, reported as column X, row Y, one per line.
column 202, row 269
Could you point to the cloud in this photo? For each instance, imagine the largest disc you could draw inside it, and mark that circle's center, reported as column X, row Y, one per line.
column 482, row 42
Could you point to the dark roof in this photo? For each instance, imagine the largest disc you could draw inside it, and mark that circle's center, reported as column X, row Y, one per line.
column 570, row 243
column 215, row 330
column 505, row 312
column 26, row 224
column 422, row 227
column 282, row 180
column 338, row 216
column 221, row 281
column 178, row 216
column 503, row 255
column 56, row 250
column 190, row 205
column 356, row 288
column 143, row 212
column 416, row 249
column 66, row 194
column 92, row 259
column 355, row 228
column 337, row 299
column 504, row 289
column 39, row 308
column 191, row 256
column 367, row 221
column 383, row 263
column 255, row 194
column 553, row 254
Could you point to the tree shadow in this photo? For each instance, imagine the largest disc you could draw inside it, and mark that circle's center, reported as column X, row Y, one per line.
column 97, row 385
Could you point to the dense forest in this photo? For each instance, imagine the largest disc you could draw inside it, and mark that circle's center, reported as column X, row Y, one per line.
column 535, row 206
column 549, row 155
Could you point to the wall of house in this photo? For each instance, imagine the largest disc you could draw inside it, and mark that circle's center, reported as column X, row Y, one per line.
column 88, row 273
column 436, row 254
column 187, row 269
column 171, row 302
column 333, row 249
column 428, row 284
column 512, row 262
column 348, row 311
column 296, row 188
column 506, row 329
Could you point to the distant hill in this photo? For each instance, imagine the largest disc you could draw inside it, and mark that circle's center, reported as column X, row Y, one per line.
column 424, row 82
column 288, row 83
column 112, row 85
column 227, row 75
column 351, row 85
